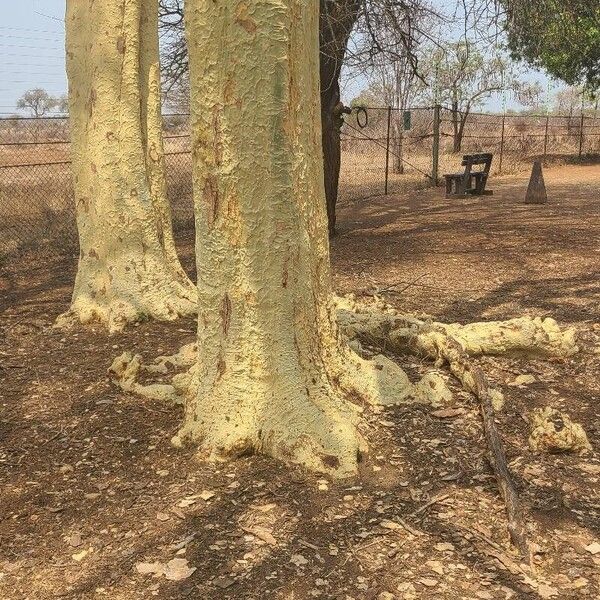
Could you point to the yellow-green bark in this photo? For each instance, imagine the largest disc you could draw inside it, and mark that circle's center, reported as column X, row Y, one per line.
column 270, row 374
column 150, row 90
column 273, row 374
column 128, row 268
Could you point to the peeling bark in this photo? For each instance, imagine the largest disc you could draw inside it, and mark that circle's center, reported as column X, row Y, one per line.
column 128, row 268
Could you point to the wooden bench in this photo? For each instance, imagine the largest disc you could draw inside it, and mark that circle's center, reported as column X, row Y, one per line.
column 469, row 182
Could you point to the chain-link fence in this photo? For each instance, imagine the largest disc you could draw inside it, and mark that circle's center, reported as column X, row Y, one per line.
column 389, row 151
column 384, row 151
column 36, row 191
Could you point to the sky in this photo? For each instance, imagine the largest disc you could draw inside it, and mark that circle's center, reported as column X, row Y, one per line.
column 31, row 49
column 32, row 52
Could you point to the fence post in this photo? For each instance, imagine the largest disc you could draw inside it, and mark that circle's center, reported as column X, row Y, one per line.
column 435, row 165
column 546, row 136
column 581, row 134
column 502, row 144
column 387, row 149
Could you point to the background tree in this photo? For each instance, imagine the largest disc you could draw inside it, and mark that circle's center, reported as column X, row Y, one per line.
column 38, row 102
column 531, row 95
column 462, row 76
column 128, row 268
column 393, row 74
column 337, row 20
column 560, row 36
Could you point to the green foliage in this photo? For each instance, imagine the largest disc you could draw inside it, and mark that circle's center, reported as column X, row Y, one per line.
column 560, row 36
column 463, row 75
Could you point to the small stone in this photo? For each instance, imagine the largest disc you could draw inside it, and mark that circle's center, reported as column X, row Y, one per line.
column 427, row 582
column 593, row 548
column 523, row 380
column 80, row 555
column 444, row 547
column 187, row 502
column 177, row 569
column 407, row 591
column 145, row 568
column 435, row 566
column 298, row 560
column 546, row 591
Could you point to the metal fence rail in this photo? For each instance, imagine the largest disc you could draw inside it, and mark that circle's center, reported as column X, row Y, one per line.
column 384, row 151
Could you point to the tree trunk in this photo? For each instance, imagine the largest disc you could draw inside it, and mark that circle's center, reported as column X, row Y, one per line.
column 336, row 22
column 398, row 144
column 457, row 140
column 272, row 375
column 128, row 268
column 152, row 127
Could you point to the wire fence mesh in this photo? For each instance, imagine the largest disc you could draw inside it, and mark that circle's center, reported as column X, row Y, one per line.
column 384, row 150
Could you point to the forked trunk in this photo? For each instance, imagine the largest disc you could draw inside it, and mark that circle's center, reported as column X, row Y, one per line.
column 272, row 375
column 128, row 268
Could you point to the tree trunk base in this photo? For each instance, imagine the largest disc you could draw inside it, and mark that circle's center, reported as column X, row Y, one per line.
column 164, row 298
column 315, row 425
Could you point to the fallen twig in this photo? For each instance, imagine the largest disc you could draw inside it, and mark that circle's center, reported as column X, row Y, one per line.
column 430, row 503
column 463, row 368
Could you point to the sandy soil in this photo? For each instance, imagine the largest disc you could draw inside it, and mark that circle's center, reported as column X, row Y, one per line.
column 91, row 487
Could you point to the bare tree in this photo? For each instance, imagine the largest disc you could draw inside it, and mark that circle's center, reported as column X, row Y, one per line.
column 38, row 102
column 393, row 72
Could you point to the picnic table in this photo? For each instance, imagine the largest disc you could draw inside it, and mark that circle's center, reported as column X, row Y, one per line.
column 470, row 182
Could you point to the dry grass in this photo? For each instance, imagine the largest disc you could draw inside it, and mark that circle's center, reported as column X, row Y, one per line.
column 37, row 207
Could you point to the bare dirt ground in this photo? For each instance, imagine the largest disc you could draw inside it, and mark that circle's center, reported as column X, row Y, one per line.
column 91, row 487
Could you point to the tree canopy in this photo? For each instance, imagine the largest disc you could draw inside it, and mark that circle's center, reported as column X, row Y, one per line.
column 560, row 36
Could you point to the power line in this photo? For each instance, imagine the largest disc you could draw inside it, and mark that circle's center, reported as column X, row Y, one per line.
column 31, row 47
column 28, row 37
column 11, row 28
column 61, row 55
column 41, row 14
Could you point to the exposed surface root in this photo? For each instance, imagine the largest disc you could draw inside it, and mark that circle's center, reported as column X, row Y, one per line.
column 379, row 324
column 165, row 301
column 126, row 369
column 378, row 380
column 454, row 344
column 311, row 426
column 553, row 431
